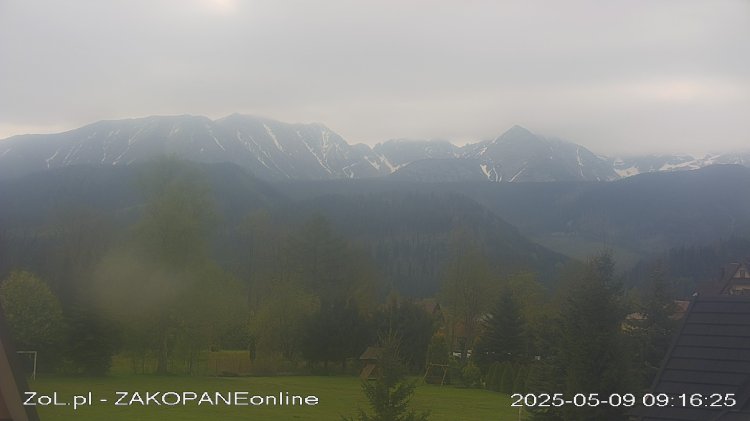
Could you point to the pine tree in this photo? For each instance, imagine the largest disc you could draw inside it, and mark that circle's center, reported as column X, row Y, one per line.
column 519, row 384
column 466, row 291
column 471, row 375
column 92, row 340
column 545, row 376
column 502, row 339
column 437, row 351
column 655, row 330
column 506, row 381
column 592, row 351
column 492, row 382
column 389, row 395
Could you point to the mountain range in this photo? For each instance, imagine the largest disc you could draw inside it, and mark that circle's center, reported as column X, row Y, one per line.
column 377, row 196
column 409, row 235
column 635, row 218
column 274, row 151
column 407, row 227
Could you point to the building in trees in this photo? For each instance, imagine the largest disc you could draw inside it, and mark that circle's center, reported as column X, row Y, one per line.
column 431, row 307
column 390, row 393
column 651, row 328
column 466, row 292
column 369, row 360
column 733, row 280
column 710, row 355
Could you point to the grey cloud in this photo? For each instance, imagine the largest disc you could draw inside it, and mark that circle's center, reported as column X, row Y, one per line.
column 617, row 76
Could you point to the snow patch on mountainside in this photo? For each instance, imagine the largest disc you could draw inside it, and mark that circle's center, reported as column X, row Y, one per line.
column 491, row 173
column 690, row 165
column 312, row 151
column 273, row 137
column 392, row 168
column 132, row 139
column 216, row 141
column 46, row 160
column 512, row 179
column 580, row 163
column 627, row 172
column 485, row 170
column 277, row 151
column 374, row 164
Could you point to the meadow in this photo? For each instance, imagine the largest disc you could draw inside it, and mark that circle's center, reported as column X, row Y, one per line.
column 339, row 396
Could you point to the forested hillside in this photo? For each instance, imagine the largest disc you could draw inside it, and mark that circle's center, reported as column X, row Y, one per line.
column 636, row 217
column 160, row 261
column 407, row 234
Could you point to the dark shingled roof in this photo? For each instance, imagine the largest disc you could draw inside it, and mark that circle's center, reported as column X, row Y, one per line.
column 371, row 353
column 710, row 354
column 733, row 280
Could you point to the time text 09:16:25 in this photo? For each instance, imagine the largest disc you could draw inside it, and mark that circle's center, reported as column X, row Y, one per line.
column 695, row 400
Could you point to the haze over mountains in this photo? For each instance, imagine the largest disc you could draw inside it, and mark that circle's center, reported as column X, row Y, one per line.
column 531, row 201
column 275, row 150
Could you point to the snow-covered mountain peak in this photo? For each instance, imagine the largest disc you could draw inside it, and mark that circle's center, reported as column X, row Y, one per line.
column 276, row 150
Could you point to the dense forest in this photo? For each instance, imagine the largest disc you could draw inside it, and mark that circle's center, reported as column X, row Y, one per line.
column 160, row 263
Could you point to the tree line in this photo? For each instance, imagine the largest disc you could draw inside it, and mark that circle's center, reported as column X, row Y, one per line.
column 307, row 298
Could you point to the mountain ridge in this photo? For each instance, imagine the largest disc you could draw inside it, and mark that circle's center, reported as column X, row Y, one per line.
column 275, row 151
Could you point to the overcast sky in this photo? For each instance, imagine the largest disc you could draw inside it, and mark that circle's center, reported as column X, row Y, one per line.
column 620, row 77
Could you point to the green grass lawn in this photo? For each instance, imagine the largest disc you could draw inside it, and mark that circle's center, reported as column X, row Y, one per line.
column 338, row 396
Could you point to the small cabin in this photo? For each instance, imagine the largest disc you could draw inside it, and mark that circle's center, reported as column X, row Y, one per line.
column 370, row 359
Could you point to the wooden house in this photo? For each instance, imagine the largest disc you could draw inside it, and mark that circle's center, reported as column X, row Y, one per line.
column 370, row 358
column 734, row 279
column 709, row 357
column 431, row 307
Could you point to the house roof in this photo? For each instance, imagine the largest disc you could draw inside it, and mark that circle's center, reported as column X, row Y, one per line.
column 733, row 275
column 710, row 354
column 12, row 381
column 680, row 308
column 371, row 353
column 430, row 305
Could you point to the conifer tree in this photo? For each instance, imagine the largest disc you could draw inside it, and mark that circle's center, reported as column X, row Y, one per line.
column 506, row 381
column 389, row 395
column 502, row 338
column 654, row 330
column 591, row 348
column 466, row 290
column 492, row 381
column 519, row 384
